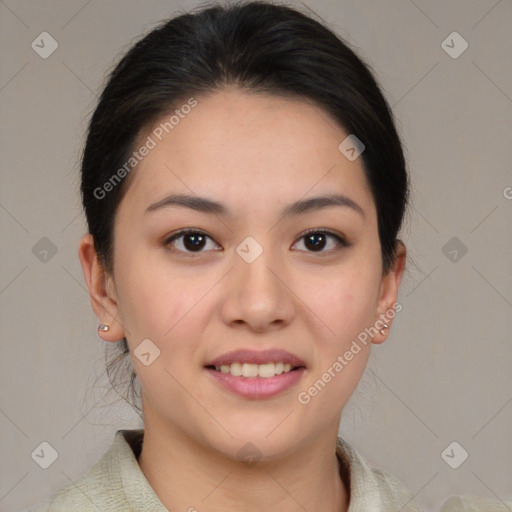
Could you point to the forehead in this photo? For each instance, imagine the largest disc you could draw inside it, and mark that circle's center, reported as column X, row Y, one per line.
column 247, row 149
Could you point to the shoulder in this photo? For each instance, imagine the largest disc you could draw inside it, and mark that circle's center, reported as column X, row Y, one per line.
column 114, row 483
column 96, row 490
column 373, row 488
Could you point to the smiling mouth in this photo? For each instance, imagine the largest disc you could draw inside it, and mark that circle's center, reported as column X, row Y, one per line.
column 250, row 370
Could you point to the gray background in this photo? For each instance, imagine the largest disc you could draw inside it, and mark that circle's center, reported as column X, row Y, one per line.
column 444, row 373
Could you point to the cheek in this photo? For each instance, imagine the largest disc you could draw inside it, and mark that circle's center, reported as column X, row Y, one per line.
column 167, row 307
column 152, row 296
column 345, row 303
column 168, row 312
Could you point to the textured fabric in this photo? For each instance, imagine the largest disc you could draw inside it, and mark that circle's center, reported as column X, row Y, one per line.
column 116, row 483
column 475, row 504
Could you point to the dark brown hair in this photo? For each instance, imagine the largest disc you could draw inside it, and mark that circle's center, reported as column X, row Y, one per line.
column 256, row 46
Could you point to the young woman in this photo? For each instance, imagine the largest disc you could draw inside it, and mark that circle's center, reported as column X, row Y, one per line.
column 244, row 185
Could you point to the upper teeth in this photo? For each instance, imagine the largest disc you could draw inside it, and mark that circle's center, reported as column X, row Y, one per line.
column 254, row 370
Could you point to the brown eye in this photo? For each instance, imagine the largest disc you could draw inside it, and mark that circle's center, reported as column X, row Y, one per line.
column 192, row 241
column 317, row 240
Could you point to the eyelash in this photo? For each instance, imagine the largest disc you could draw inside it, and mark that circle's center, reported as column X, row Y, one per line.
column 340, row 240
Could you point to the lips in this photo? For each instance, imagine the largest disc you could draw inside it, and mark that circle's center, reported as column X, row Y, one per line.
column 271, row 380
column 257, row 357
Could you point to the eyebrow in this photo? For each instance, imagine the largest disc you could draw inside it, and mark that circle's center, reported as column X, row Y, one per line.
column 205, row 205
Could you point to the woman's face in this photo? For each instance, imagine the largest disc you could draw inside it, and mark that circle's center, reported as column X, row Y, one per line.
column 250, row 279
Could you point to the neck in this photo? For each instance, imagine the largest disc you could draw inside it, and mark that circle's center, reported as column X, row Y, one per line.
column 190, row 476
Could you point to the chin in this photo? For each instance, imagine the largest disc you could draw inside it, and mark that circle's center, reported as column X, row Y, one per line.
column 256, row 437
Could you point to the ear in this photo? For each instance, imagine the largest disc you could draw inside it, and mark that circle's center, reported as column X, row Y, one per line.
column 389, row 293
column 101, row 289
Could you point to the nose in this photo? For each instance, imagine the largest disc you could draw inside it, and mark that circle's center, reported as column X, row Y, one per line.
column 258, row 294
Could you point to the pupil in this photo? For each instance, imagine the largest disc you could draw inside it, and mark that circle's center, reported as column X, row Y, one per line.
column 193, row 241
column 198, row 241
column 316, row 236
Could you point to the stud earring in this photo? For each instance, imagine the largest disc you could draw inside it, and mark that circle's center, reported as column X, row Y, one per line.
column 384, row 327
column 103, row 327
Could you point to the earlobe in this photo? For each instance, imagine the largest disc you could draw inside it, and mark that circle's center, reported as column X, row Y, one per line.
column 99, row 283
